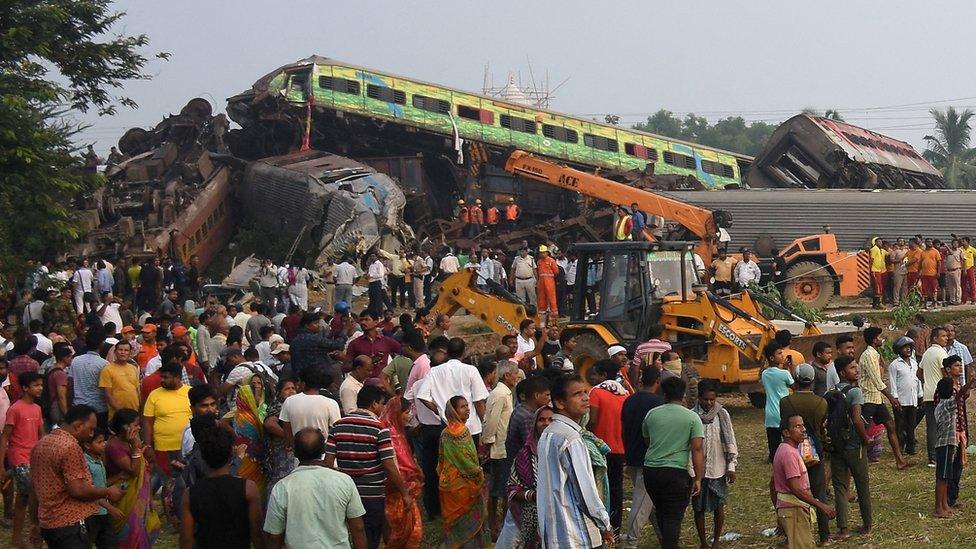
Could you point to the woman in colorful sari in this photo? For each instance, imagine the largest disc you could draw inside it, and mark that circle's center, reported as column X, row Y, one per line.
column 521, row 483
column 127, row 468
column 462, row 482
column 405, row 523
column 278, row 459
column 249, row 425
column 598, row 456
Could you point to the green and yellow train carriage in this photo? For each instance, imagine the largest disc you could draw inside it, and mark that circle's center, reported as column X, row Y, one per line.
column 361, row 91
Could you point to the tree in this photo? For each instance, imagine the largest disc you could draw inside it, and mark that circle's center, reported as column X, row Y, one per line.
column 949, row 148
column 56, row 56
column 732, row 133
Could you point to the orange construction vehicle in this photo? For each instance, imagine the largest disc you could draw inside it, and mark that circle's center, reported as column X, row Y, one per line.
column 816, row 270
column 706, row 225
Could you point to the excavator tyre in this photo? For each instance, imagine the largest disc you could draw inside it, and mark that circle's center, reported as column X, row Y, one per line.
column 589, row 349
column 810, row 283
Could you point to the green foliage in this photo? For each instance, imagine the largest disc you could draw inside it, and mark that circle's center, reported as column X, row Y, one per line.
column 732, row 133
column 807, row 312
column 799, row 308
column 903, row 315
column 55, row 56
column 949, row 148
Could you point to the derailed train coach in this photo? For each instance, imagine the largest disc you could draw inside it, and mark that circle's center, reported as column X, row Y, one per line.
column 814, row 152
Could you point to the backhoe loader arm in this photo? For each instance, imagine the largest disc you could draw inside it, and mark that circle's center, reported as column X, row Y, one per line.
column 501, row 311
column 699, row 221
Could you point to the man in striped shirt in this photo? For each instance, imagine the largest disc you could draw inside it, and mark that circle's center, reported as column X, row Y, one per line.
column 359, row 446
column 571, row 513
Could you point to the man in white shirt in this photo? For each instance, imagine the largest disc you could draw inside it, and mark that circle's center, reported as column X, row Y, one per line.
column 451, row 379
column 310, row 408
column 905, row 386
column 345, row 276
column 82, row 282
column 377, row 285
column 450, row 264
column 931, row 366
column 523, row 269
column 108, row 311
column 956, row 347
column 747, row 271
column 362, row 367
column 486, row 270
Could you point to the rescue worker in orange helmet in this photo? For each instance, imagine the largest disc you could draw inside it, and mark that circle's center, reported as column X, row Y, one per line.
column 512, row 213
column 548, row 269
column 476, row 219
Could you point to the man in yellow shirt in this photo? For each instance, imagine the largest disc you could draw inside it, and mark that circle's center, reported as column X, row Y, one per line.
column 874, row 387
column 968, row 273
column 879, row 270
column 165, row 415
column 120, row 380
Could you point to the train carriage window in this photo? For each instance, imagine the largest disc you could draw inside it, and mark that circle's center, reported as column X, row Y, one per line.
column 640, row 151
column 431, row 104
column 476, row 114
column 717, row 168
column 386, row 94
column 600, row 142
column 560, row 133
column 341, row 85
column 517, row 124
column 679, row 160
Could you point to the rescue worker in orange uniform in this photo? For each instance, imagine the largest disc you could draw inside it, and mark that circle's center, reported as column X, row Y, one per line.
column 493, row 217
column 512, row 213
column 461, row 214
column 548, row 269
column 622, row 225
column 476, row 219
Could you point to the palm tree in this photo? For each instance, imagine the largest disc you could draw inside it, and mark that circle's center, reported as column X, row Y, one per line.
column 949, row 148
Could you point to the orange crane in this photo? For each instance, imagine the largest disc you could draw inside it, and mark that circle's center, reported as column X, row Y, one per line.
column 816, row 270
column 703, row 223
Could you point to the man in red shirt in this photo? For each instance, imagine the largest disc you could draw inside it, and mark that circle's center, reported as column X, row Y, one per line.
column 547, row 284
column 23, row 427
column 373, row 344
column 606, row 422
column 21, row 363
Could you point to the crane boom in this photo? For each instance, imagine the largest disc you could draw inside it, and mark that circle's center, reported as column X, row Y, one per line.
column 700, row 221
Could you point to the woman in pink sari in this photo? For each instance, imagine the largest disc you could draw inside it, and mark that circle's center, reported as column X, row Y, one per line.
column 405, row 523
column 127, row 468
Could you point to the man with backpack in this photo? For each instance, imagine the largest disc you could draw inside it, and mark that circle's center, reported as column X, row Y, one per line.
column 848, row 440
column 813, row 409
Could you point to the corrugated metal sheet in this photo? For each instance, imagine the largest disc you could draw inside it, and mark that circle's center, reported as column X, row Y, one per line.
column 854, row 216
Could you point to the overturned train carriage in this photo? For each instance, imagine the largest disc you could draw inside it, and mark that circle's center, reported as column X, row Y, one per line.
column 324, row 205
column 819, row 153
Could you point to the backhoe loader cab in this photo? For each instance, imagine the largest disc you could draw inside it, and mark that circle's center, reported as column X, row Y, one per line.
column 620, row 290
column 621, row 286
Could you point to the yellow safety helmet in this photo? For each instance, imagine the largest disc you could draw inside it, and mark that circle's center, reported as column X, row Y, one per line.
column 477, row 201
column 543, row 248
column 460, row 201
column 511, row 199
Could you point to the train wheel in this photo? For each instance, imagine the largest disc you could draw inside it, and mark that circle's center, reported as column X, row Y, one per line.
column 809, row 283
column 589, row 349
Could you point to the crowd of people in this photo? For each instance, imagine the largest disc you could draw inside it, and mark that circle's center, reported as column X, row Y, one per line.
column 942, row 271
column 282, row 424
